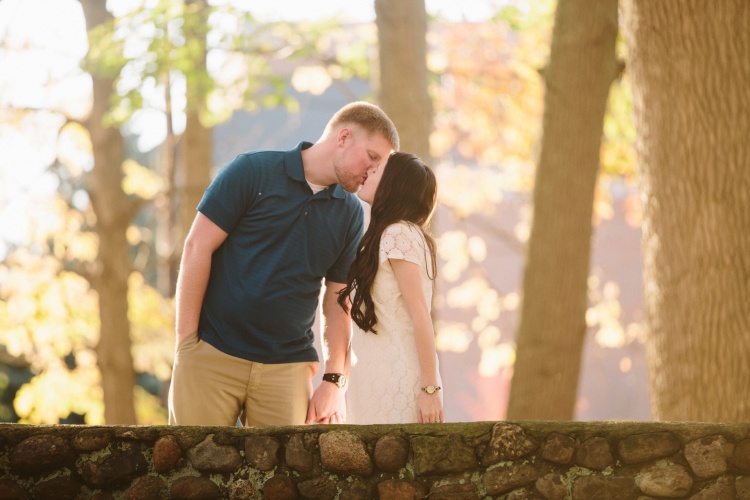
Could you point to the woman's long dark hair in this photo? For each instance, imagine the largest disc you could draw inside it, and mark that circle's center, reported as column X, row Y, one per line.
column 407, row 192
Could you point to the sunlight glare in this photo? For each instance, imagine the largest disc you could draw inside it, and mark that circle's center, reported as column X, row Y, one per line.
column 477, row 248
column 312, row 79
column 496, row 358
column 468, row 294
column 626, row 364
column 611, row 336
column 452, row 337
column 489, row 338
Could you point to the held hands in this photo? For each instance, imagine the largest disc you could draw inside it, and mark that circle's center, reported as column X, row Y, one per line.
column 430, row 408
column 327, row 405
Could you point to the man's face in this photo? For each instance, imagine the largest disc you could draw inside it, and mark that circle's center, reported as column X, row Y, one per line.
column 367, row 193
column 357, row 154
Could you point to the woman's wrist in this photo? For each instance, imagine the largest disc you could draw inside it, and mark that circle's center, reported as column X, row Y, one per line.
column 431, row 389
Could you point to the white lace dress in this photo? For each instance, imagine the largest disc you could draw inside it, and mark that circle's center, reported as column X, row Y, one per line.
column 385, row 381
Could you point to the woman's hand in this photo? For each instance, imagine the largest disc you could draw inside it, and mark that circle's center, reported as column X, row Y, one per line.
column 430, row 408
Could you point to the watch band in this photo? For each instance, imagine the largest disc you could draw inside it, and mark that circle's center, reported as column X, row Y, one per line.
column 335, row 378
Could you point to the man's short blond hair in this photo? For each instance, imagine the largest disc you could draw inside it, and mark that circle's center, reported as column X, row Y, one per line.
column 368, row 116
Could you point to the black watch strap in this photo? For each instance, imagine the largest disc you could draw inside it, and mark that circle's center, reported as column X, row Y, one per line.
column 336, row 378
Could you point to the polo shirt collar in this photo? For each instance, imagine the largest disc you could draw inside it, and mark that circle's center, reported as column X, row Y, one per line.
column 295, row 169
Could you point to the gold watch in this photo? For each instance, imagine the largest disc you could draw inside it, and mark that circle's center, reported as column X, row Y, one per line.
column 430, row 389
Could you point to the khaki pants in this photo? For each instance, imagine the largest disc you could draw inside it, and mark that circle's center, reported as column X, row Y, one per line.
column 210, row 387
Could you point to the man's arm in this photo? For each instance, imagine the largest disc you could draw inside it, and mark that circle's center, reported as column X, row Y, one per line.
column 327, row 405
column 202, row 240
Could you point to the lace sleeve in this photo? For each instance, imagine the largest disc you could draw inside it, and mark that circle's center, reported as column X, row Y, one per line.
column 402, row 241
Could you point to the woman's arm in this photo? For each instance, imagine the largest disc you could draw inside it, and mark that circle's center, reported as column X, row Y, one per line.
column 408, row 277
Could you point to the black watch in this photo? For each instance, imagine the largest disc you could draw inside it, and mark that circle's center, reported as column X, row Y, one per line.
column 336, row 378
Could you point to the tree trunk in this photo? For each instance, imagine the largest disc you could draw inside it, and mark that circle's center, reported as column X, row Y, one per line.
column 197, row 141
column 113, row 211
column 166, row 211
column 550, row 338
column 402, row 78
column 402, row 39
column 689, row 62
column 197, row 145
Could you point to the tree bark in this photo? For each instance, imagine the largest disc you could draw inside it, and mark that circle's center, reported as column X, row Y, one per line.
column 402, row 78
column 114, row 211
column 402, row 82
column 197, row 141
column 166, row 211
column 197, row 144
column 689, row 62
column 550, row 338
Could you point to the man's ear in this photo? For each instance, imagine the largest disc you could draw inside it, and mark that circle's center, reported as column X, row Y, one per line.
column 343, row 136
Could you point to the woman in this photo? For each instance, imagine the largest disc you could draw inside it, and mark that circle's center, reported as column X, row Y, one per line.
column 394, row 376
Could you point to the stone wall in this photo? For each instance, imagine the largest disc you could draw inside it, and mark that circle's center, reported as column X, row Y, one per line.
column 481, row 460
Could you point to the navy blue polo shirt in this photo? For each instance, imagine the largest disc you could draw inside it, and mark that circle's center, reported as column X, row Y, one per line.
column 282, row 241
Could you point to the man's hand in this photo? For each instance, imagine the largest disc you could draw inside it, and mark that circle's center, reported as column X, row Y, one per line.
column 327, row 405
column 195, row 268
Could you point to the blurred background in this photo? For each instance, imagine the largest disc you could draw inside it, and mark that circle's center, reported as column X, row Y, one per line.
column 113, row 121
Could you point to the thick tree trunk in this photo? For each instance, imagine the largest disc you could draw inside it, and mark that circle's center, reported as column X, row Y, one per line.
column 402, row 83
column 581, row 69
column 113, row 211
column 689, row 62
column 402, row 77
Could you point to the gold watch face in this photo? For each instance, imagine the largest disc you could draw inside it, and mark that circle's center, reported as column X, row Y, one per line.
column 430, row 389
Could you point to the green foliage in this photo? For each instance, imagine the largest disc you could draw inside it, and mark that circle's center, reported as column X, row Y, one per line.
column 49, row 324
column 227, row 59
column 523, row 16
column 487, row 96
column 104, row 58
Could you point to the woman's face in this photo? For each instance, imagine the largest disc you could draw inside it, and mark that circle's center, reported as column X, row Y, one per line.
column 367, row 193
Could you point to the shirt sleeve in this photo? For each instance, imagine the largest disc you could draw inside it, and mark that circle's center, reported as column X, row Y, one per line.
column 230, row 194
column 339, row 270
column 402, row 241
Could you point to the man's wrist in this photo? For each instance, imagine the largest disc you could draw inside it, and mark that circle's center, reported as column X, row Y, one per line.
column 338, row 379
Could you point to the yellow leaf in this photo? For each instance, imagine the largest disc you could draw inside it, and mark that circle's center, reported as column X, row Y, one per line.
column 140, row 181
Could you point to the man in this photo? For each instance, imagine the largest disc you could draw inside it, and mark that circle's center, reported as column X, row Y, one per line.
column 269, row 229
